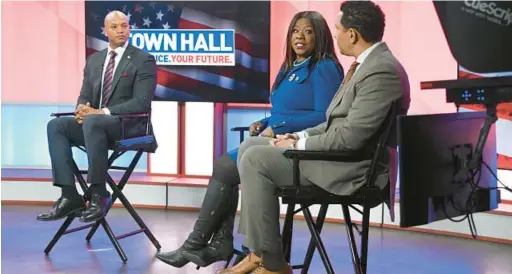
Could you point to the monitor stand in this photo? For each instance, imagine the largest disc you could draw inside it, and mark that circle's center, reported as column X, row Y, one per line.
column 488, row 92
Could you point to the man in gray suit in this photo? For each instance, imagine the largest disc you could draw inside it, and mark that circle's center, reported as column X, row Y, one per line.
column 118, row 80
column 375, row 80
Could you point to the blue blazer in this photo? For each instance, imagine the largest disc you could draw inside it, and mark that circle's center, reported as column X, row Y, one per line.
column 301, row 100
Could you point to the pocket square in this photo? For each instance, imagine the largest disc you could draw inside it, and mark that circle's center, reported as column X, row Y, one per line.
column 124, row 74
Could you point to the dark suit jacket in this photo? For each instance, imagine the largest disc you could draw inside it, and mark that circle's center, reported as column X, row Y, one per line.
column 132, row 88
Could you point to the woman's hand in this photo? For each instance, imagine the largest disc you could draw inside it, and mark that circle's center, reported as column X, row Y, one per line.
column 254, row 128
column 268, row 132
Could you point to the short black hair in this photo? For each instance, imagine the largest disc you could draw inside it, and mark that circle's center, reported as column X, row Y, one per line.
column 365, row 17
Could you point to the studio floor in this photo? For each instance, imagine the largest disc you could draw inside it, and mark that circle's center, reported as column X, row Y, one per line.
column 390, row 251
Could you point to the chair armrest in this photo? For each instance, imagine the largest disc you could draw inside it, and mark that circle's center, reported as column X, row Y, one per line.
column 242, row 129
column 134, row 143
column 331, row 156
column 129, row 116
column 59, row 114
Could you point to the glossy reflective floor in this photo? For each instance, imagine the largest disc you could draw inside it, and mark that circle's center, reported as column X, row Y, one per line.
column 391, row 252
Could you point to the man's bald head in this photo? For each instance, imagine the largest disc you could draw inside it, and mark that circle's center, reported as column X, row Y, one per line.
column 116, row 15
column 117, row 28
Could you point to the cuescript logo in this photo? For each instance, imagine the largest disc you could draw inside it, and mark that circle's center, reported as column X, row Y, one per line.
column 494, row 13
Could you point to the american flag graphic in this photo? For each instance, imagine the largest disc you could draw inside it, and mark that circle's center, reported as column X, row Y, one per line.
column 248, row 81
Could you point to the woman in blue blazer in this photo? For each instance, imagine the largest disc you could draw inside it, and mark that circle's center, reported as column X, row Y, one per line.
column 300, row 96
column 305, row 85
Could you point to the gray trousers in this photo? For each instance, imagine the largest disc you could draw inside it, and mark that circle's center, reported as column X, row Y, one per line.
column 262, row 168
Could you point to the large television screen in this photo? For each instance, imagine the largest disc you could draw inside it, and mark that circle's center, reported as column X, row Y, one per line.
column 191, row 71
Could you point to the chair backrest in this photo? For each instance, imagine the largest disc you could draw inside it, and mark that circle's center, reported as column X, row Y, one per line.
column 137, row 132
column 386, row 138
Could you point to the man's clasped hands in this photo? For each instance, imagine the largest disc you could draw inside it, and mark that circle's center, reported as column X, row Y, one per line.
column 285, row 141
column 83, row 111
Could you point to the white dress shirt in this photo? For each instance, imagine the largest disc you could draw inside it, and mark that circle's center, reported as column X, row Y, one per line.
column 303, row 135
column 117, row 59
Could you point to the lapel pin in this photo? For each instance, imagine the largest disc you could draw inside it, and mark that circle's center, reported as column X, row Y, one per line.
column 297, row 78
column 129, row 57
column 291, row 77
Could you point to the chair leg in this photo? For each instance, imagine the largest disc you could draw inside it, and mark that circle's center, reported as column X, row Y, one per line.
column 311, row 248
column 78, row 174
column 238, row 255
column 353, row 247
column 288, row 232
column 382, row 215
column 241, row 137
column 79, row 177
column 117, row 189
column 364, row 238
column 245, row 251
column 97, row 223
column 59, row 233
column 133, row 213
column 63, row 230
column 113, row 239
column 110, row 181
column 143, row 227
column 229, row 260
column 318, row 241
column 92, row 231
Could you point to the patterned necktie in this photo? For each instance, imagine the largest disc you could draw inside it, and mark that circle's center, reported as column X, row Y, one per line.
column 350, row 72
column 107, row 79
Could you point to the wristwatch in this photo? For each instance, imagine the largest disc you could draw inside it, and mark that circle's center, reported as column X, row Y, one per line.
column 292, row 146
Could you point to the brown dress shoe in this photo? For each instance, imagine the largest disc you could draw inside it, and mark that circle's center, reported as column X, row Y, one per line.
column 261, row 270
column 248, row 264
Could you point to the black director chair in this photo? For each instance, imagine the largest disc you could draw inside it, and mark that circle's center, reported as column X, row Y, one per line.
column 368, row 196
column 142, row 142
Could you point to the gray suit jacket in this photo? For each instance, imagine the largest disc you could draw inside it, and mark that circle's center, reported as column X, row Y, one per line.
column 132, row 88
column 353, row 119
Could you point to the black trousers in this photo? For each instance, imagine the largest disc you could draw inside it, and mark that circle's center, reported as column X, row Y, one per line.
column 95, row 133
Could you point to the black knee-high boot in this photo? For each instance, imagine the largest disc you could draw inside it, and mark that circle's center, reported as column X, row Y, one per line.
column 221, row 245
column 216, row 205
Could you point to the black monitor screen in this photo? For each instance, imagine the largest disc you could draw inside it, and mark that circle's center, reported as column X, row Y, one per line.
column 428, row 149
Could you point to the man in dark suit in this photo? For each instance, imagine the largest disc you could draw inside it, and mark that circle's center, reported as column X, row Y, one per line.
column 118, row 80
